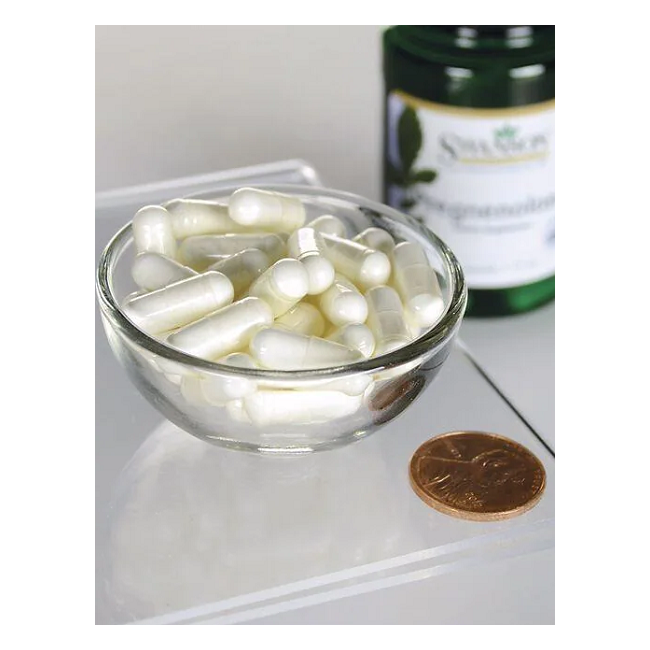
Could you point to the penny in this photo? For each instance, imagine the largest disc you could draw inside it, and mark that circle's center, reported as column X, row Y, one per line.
column 477, row 476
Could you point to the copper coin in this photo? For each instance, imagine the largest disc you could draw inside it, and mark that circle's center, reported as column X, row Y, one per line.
column 478, row 476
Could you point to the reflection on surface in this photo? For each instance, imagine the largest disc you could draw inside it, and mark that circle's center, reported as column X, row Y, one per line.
column 192, row 523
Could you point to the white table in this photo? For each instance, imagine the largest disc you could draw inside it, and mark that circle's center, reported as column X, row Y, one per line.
column 191, row 533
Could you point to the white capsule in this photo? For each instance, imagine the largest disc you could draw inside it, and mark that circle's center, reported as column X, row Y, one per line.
column 193, row 217
column 342, row 303
column 180, row 303
column 377, row 239
column 219, row 389
column 153, row 271
column 281, row 286
column 149, row 358
column 266, row 210
column 303, row 318
column 203, row 250
column 224, row 331
column 307, row 245
column 191, row 387
column 386, row 319
column 279, row 349
column 152, row 231
column 356, row 336
column 242, row 268
column 172, row 370
column 352, row 385
column 134, row 294
column 328, row 224
column 396, row 371
column 238, row 360
column 411, row 324
column 417, row 284
column 237, row 412
column 271, row 407
column 364, row 266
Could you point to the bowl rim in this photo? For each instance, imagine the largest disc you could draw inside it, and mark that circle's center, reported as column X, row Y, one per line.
column 441, row 332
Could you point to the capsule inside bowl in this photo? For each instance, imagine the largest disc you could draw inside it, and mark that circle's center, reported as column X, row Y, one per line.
column 315, row 393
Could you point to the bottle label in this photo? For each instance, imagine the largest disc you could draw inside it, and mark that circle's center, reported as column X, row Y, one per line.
column 483, row 180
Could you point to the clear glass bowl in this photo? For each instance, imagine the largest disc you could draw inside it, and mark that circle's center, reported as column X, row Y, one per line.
column 364, row 396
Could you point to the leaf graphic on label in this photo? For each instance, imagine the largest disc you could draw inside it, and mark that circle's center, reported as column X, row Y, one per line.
column 506, row 132
column 394, row 175
column 409, row 138
column 423, row 176
column 404, row 174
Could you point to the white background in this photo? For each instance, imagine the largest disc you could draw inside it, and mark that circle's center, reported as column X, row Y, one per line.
column 178, row 100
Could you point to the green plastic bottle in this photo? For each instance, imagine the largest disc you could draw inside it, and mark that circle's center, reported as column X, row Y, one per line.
column 469, row 150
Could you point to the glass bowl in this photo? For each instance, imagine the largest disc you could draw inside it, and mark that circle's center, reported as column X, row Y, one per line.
column 278, row 411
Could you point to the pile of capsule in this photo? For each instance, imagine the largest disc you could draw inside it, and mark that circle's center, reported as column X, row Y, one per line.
column 248, row 284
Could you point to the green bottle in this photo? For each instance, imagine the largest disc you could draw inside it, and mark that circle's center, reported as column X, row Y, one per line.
column 469, row 150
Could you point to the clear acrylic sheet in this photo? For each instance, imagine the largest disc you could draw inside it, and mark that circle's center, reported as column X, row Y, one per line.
column 191, row 533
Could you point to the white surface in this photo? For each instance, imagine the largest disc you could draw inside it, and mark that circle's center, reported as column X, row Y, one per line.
column 196, row 533
column 191, row 533
column 518, row 354
column 177, row 100
column 464, row 595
